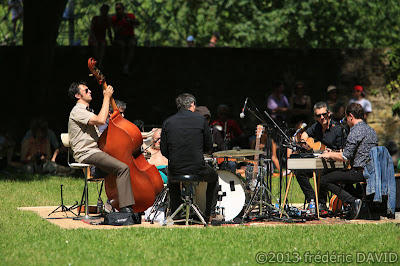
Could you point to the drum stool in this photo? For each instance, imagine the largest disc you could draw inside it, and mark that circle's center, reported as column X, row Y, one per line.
column 187, row 181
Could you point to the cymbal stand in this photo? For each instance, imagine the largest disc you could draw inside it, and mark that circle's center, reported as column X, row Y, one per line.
column 261, row 197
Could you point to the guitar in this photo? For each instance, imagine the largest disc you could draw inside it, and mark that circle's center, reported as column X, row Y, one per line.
column 252, row 176
column 335, row 204
column 311, row 145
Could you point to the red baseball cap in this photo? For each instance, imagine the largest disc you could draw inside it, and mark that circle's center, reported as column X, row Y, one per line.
column 358, row 88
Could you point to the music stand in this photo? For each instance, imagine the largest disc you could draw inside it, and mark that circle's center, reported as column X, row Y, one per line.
column 63, row 207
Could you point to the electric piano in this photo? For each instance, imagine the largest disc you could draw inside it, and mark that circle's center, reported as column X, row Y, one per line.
column 310, row 161
column 313, row 164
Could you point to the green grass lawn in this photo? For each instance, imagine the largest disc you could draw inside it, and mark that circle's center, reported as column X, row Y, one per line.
column 27, row 239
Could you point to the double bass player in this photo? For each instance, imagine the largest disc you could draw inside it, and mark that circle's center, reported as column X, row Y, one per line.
column 83, row 133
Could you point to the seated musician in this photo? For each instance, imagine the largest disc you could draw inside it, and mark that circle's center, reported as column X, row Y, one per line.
column 325, row 131
column 156, row 157
column 185, row 137
column 362, row 138
column 83, row 133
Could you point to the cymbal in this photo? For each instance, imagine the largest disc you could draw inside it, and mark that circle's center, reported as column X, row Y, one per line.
column 237, row 153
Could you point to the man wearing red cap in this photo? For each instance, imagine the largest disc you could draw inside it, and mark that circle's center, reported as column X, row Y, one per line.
column 359, row 97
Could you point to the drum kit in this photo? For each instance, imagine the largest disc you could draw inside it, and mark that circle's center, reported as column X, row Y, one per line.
column 236, row 201
column 235, row 198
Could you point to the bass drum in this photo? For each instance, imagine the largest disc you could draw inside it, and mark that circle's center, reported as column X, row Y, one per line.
column 231, row 196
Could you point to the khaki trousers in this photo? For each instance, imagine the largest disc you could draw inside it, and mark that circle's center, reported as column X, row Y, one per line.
column 109, row 164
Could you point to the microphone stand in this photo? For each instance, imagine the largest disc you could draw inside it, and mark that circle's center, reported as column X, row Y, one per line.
column 261, row 192
column 287, row 142
column 344, row 135
column 279, row 129
column 258, row 117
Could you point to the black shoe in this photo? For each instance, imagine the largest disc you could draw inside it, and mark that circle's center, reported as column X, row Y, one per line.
column 354, row 209
column 126, row 209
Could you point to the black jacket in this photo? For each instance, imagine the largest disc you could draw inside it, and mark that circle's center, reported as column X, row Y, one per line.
column 185, row 137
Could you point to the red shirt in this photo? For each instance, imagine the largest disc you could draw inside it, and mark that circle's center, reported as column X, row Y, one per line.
column 232, row 128
column 122, row 27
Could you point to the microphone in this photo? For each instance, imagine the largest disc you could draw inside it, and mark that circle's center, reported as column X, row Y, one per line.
column 342, row 120
column 303, row 126
column 244, row 107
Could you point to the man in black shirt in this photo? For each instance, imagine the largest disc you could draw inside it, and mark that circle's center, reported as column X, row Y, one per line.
column 185, row 137
column 325, row 131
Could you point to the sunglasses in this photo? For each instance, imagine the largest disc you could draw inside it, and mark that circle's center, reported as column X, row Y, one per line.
column 323, row 114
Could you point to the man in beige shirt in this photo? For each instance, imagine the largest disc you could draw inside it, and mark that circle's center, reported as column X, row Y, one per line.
column 83, row 133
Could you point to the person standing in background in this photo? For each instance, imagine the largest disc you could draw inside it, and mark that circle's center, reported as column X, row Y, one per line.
column 359, row 97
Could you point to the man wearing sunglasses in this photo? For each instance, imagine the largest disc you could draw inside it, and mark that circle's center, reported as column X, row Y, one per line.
column 325, row 131
column 362, row 138
column 83, row 134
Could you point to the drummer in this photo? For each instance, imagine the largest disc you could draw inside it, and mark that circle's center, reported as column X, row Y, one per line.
column 185, row 137
column 218, row 143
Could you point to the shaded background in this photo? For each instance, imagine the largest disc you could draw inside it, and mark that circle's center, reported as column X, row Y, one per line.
column 214, row 76
column 36, row 76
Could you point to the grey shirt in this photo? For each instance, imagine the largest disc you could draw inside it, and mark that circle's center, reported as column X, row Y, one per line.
column 359, row 143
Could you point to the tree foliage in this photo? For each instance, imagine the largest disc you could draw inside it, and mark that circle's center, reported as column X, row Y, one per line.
column 272, row 24
column 261, row 23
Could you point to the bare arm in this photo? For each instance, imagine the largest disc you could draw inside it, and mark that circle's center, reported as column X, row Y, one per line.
column 53, row 159
column 281, row 110
column 101, row 118
column 304, row 136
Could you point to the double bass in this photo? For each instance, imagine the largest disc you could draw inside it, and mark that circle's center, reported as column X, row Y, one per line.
column 123, row 140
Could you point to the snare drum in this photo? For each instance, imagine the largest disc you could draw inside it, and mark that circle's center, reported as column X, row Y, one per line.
column 231, row 197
